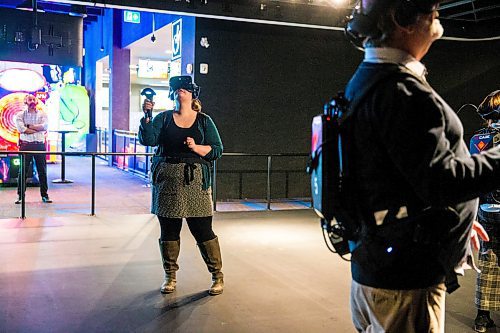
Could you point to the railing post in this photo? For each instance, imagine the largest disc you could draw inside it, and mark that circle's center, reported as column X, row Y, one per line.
column 214, row 185
column 99, row 139
column 147, row 163
column 240, row 187
column 23, row 185
column 286, row 184
column 135, row 156
column 92, row 209
column 124, row 150
column 269, row 182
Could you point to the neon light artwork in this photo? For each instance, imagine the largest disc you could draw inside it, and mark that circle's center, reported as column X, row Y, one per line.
column 19, row 79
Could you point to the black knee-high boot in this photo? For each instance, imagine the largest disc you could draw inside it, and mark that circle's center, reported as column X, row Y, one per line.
column 210, row 251
column 169, row 253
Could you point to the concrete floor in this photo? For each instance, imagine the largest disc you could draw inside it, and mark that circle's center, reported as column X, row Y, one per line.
column 64, row 271
column 102, row 274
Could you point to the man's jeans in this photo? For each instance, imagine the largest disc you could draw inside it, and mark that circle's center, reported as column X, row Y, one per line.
column 41, row 165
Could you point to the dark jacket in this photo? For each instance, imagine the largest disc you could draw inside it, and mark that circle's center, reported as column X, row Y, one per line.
column 406, row 148
column 150, row 134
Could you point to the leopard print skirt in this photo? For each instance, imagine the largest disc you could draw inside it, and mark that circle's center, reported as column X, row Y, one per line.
column 177, row 192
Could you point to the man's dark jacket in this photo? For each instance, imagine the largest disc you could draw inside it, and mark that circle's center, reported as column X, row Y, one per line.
column 405, row 148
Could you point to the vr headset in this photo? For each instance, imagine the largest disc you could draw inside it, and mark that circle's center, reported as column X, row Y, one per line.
column 183, row 82
column 364, row 20
column 486, row 111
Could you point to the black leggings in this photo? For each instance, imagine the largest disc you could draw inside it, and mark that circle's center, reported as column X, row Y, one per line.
column 200, row 227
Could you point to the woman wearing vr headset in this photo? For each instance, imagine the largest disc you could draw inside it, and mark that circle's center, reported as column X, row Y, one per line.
column 186, row 142
column 488, row 280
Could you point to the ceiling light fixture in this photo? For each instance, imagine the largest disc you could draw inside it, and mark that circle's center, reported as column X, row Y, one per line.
column 153, row 37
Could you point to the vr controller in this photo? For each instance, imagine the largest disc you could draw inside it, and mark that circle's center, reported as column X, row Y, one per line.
column 149, row 94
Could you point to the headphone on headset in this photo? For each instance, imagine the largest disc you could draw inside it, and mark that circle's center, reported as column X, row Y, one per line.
column 486, row 111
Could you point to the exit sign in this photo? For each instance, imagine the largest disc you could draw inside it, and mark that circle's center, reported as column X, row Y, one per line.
column 131, row 17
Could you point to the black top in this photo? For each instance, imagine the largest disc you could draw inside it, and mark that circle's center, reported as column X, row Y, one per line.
column 152, row 134
column 175, row 138
column 406, row 149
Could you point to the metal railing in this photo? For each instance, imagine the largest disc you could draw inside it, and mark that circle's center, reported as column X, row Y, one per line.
column 268, row 171
column 93, row 156
column 127, row 142
column 22, row 171
column 102, row 141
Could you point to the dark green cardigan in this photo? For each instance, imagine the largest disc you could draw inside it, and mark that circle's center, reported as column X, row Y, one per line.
column 150, row 134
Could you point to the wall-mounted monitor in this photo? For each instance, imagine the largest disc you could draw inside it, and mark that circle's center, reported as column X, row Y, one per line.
column 162, row 102
column 152, row 69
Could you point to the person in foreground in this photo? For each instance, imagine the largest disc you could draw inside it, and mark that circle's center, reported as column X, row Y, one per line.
column 32, row 124
column 412, row 184
column 488, row 280
column 186, row 142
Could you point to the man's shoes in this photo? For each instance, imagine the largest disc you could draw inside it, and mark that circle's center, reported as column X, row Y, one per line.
column 18, row 201
column 482, row 323
column 46, row 199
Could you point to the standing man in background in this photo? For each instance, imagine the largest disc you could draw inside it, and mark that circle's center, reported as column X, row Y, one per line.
column 32, row 125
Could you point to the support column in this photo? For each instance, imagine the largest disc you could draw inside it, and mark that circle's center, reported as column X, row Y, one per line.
column 119, row 86
column 119, row 81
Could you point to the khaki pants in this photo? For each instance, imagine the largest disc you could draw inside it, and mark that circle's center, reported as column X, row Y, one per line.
column 397, row 311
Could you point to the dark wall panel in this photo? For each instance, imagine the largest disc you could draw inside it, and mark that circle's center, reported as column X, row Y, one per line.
column 463, row 73
column 61, row 38
column 265, row 83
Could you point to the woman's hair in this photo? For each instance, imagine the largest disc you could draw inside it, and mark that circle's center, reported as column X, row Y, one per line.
column 196, row 105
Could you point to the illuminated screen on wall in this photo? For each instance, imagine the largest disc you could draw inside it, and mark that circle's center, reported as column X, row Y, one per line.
column 152, row 69
column 162, row 102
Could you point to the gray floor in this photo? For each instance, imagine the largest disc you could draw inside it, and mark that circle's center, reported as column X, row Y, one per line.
column 64, row 271
column 102, row 274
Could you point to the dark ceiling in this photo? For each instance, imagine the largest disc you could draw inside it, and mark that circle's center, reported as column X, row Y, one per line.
column 471, row 10
column 89, row 13
column 462, row 18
